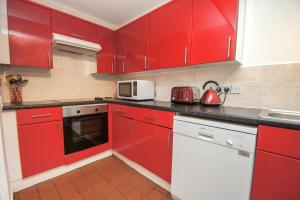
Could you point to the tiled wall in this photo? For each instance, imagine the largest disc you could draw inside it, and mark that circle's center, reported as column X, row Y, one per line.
column 70, row 78
column 275, row 86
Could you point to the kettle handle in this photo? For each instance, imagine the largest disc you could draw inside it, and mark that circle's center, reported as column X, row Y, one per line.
column 208, row 82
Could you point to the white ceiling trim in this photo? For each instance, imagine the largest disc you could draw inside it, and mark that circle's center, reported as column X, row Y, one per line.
column 63, row 8
column 59, row 5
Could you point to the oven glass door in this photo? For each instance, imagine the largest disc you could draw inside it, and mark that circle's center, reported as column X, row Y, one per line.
column 125, row 89
column 83, row 132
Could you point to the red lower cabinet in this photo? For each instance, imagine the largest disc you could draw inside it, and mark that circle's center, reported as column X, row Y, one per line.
column 153, row 148
column 276, row 177
column 41, row 147
column 277, row 165
column 121, row 141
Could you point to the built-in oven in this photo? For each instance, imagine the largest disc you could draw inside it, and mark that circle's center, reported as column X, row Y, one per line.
column 85, row 126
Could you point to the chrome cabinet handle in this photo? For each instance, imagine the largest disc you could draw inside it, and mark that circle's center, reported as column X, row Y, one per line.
column 59, row 129
column 185, row 55
column 149, row 117
column 129, row 127
column 119, row 111
column 40, row 116
column 123, row 66
column 228, row 47
column 76, row 35
column 112, row 67
column 169, row 139
column 145, row 62
column 49, row 61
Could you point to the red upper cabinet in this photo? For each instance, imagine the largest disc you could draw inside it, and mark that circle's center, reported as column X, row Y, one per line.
column 170, row 34
column 137, row 44
column 120, row 51
column 214, row 31
column 29, row 34
column 72, row 26
column 105, row 58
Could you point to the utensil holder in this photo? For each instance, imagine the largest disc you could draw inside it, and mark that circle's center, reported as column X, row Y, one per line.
column 15, row 93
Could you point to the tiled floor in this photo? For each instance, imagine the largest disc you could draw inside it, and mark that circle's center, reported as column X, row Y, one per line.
column 107, row 179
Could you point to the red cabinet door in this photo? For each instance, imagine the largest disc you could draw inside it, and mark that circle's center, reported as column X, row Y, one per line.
column 72, row 26
column 276, row 177
column 121, row 141
column 170, row 35
column 152, row 148
column 29, row 28
column 105, row 58
column 41, row 147
column 137, row 44
column 214, row 31
column 120, row 51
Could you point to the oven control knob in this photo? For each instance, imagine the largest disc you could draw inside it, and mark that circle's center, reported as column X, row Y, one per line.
column 96, row 110
column 78, row 111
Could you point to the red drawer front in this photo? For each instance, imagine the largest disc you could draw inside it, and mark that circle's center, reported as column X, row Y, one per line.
column 279, row 140
column 123, row 111
column 157, row 117
column 37, row 115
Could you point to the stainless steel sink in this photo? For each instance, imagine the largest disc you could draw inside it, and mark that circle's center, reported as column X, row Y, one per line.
column 280, row 114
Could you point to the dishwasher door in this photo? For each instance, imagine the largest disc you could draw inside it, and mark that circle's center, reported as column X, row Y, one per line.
column 203, row 170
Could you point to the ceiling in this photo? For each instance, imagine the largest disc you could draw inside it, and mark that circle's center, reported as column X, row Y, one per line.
column 114, row 12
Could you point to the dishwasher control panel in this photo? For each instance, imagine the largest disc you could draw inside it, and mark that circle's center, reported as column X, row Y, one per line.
column 218, row 135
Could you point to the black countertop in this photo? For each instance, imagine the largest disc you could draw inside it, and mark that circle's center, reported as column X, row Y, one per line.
column 227, row 113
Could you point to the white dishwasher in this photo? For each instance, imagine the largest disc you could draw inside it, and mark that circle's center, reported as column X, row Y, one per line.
column 212, row 160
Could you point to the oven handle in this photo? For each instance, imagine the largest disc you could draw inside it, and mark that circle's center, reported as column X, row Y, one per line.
column 40, row 116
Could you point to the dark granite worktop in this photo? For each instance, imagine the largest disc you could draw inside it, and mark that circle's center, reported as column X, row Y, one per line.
column 227, row 113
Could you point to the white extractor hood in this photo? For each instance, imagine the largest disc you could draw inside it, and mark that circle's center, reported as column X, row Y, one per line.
column 74, row 45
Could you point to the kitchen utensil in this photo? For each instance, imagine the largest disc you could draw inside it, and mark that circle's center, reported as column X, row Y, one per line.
column 211, row 96
column 184, row 94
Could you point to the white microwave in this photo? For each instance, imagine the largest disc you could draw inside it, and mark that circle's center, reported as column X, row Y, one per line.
column 136, row 90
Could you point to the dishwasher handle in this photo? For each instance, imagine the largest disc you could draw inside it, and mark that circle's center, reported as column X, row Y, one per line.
column 205, row 136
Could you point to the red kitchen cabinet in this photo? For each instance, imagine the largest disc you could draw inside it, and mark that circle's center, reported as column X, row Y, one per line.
column 170, row 35
column 137, row 44
column 74, row 27
column 29, row 28
column 41, row 147
column 152, row 148
column 122, row 140
column 277, row 165
column 214, row 31
column 276, row 177
column 120, row 51
column 105, row 58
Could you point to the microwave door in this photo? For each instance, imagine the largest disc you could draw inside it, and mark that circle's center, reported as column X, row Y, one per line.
column 125, row 89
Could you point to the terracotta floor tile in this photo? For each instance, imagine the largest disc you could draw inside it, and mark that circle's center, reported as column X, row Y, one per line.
column 126, row 188
column 28, row 194
column 45, row 187
column 114, row 195
column 92, row 195
column 83, row 187
column 107, row 179
column 156, row 195
column 134, row 195
column 52, row 195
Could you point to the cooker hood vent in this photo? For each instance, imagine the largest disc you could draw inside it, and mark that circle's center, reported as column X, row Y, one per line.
column 74, row 45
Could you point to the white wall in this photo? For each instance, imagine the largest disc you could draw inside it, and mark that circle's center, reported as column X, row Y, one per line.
column 4, row 188
column 4, row 47
column 272, row 32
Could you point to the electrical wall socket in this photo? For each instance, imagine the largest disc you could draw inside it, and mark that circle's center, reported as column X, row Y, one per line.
column 233, row 89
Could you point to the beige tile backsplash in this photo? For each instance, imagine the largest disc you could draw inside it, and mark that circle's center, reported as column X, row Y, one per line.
column 276, row 86
column 70, row 78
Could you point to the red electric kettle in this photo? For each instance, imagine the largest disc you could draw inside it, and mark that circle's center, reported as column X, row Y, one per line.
column 211, row 96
